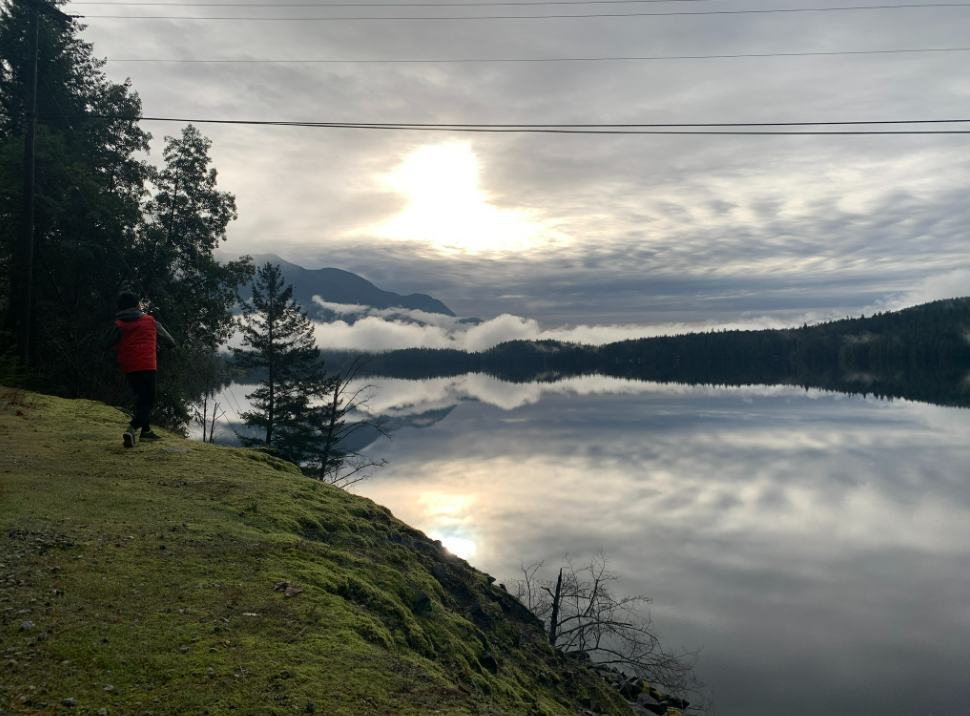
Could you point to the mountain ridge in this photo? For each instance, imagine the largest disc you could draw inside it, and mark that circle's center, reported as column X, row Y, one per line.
column 335, row 285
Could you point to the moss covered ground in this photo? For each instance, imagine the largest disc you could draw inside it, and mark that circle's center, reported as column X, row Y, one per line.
column 153, row 580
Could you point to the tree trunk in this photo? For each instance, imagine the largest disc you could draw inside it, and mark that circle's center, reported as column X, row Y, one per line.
column 554, row 619
column 212, row 429
column 329, row 441
column 270, row 319
column 205, row 409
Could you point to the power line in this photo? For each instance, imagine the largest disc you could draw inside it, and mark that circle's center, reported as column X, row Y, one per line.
column 555, row 126
column 387, row 4
column 603, row 126
column 922, row 6
column 726, row 128
column 556, row 59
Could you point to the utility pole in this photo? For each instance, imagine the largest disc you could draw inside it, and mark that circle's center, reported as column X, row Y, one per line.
column 25, row 297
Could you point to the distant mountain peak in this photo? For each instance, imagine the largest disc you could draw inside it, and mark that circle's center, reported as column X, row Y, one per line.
column 335, row 285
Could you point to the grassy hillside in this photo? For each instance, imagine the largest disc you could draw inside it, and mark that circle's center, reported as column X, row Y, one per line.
column 148, row 581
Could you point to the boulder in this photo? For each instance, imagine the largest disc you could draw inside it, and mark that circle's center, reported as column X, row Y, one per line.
column 480, row 635
column 675, row 702
column 489, row 662
column 480, row 614
column 630, row 689
column 651, row 704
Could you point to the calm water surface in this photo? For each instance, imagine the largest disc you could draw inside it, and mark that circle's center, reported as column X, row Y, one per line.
column 815, row 546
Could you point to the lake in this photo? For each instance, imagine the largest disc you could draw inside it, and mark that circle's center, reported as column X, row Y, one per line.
column 815, row 546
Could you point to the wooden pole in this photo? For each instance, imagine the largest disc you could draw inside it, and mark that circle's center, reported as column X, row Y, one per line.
column 24, row 292
column 25, row 299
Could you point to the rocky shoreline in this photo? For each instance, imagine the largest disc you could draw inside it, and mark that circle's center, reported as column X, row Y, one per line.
column 643, row 698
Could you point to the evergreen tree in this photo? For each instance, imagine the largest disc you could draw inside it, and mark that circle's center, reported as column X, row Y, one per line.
column 191, row 292
column 88, row 187
column 278, row 342
column 106, row 220
column 185, row 221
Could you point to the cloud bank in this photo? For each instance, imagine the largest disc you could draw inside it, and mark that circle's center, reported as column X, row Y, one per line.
column 375, row 330
column 954, row 284
column 365, row 328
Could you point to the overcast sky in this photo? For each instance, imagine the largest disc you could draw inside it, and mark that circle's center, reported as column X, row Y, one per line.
column 581, row 229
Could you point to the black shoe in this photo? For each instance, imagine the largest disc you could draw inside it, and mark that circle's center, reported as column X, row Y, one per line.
column 130, row 437
column 150, row 436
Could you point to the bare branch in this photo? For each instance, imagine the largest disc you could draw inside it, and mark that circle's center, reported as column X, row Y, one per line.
column 584, row 615
column 340, row 416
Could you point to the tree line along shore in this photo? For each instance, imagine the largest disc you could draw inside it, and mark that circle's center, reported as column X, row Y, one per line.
column 920, row 353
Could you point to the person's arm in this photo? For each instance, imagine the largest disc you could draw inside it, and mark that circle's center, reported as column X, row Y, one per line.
column 164, row 335
column 111, row 337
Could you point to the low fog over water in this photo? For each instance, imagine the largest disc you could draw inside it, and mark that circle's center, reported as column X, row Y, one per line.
column 815, row 546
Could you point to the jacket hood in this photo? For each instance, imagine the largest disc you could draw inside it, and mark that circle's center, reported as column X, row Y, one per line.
column 129, row 314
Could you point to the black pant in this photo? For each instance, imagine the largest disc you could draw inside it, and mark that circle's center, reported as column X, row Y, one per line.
column 143, row 383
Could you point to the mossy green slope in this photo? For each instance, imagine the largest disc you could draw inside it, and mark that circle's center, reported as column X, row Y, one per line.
column 146, row 580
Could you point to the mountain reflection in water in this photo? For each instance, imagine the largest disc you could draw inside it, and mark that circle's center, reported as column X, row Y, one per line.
column 815, row 545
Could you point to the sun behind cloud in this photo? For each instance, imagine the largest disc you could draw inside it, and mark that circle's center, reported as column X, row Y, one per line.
column 449, row 211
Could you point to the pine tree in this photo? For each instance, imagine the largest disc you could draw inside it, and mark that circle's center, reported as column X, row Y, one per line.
column 185, row 221
column 105, row 220
column 191, row 292
column 89, row 182
column 278, row 341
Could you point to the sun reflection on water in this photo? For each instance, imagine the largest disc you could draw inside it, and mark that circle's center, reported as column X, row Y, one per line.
column 463, row 548
column 448, row 518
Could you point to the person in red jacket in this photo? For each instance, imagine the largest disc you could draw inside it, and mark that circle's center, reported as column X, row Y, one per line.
column 136, row 335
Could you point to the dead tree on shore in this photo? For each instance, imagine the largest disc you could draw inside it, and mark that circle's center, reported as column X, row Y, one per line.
column 586, row 618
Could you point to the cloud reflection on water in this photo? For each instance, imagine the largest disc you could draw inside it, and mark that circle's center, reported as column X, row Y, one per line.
column 816, row 545
column 396, row 396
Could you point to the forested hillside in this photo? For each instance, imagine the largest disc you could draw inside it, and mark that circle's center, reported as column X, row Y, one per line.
column 920, row 353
